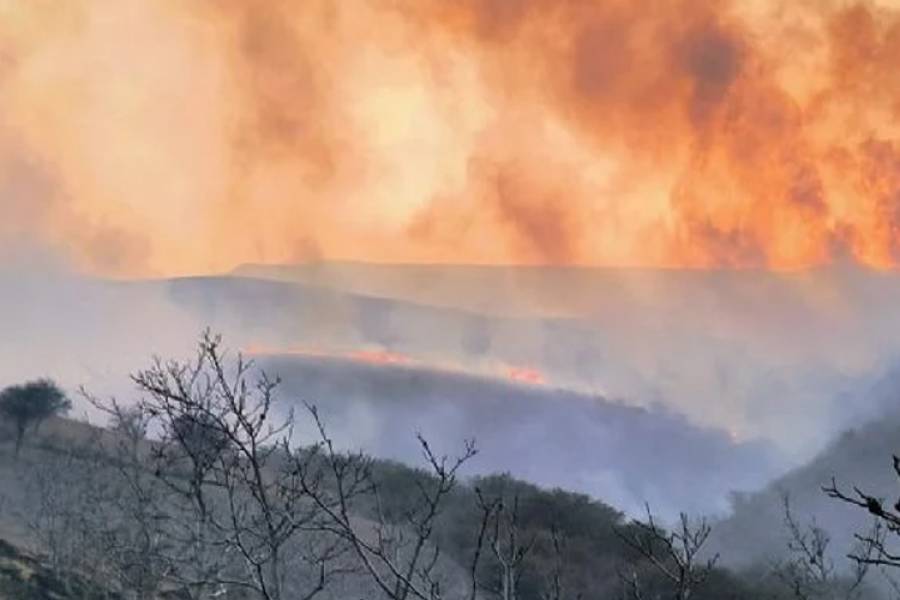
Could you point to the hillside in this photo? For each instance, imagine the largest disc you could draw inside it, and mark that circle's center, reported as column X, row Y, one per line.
column 24, row 576
column 860, row 457
column 593, row 553
column 552, row 437
column 762, row 355
column 765, row 354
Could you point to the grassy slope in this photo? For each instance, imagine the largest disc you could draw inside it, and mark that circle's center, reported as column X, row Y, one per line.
column 23, row 576
column 587, row 522
column 861, row 457
column 594, row 552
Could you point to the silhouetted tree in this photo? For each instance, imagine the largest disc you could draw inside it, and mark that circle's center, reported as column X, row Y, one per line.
column 880, row 546
column 676, row 555
column 809, row 572
column 402, row 558
column 29, row 404
column 501, row 532
column 223, row 454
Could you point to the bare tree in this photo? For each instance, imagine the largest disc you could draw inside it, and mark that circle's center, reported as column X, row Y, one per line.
column 137, row 530
column 809, row 572
column 878, row 546
column 198, row 489
column 509, row 557
column 400, row 558
column 554, row 588
column 225, row 456
column 676, row 555
column 207, row 504
column 501, row 533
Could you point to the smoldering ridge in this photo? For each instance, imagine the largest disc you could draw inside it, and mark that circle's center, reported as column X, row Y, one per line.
column 555, row 438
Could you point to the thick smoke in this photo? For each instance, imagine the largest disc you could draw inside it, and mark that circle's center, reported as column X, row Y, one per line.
column 189, row 137
column 83, row 332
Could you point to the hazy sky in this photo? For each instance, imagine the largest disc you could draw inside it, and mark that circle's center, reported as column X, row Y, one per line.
column 176, row 136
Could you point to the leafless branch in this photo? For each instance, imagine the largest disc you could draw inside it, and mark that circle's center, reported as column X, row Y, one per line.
column 675, row 555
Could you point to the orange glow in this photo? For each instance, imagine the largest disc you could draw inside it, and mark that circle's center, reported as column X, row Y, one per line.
column 257, row 349
column 385, row 358
column 526, row 375
column 379, row 357
column 375, row 357
column 173, row 137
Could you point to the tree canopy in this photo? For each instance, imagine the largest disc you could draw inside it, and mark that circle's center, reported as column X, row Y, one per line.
column 29, row 404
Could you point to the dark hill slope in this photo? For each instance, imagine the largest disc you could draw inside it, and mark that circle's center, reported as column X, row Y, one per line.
column 860, row 457
column 552, row 437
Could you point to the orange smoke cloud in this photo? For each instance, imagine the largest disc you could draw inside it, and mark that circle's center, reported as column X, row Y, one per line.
column 171, row 137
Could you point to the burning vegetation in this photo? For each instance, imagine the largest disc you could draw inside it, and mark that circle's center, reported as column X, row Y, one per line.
column 387, row 358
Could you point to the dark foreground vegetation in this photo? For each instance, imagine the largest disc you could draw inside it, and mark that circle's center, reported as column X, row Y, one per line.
column 205, row 487
column 26, row 577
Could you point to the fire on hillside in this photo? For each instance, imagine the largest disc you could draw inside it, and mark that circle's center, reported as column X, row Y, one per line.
column 387, row 358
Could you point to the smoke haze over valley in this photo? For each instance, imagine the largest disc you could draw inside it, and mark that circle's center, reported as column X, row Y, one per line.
column 628, row 366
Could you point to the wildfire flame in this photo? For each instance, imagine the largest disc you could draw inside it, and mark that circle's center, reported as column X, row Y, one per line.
column 382, row 357
column 379, row 357
column 526, row 375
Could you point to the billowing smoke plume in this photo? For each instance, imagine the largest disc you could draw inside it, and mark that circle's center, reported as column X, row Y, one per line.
column 171, row 137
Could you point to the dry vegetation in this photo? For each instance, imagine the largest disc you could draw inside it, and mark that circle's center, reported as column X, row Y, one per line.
column 201, row 490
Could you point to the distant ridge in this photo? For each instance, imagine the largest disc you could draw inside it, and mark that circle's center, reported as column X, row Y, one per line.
column 554, row 437
column 860, row 456
column 554, row 290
